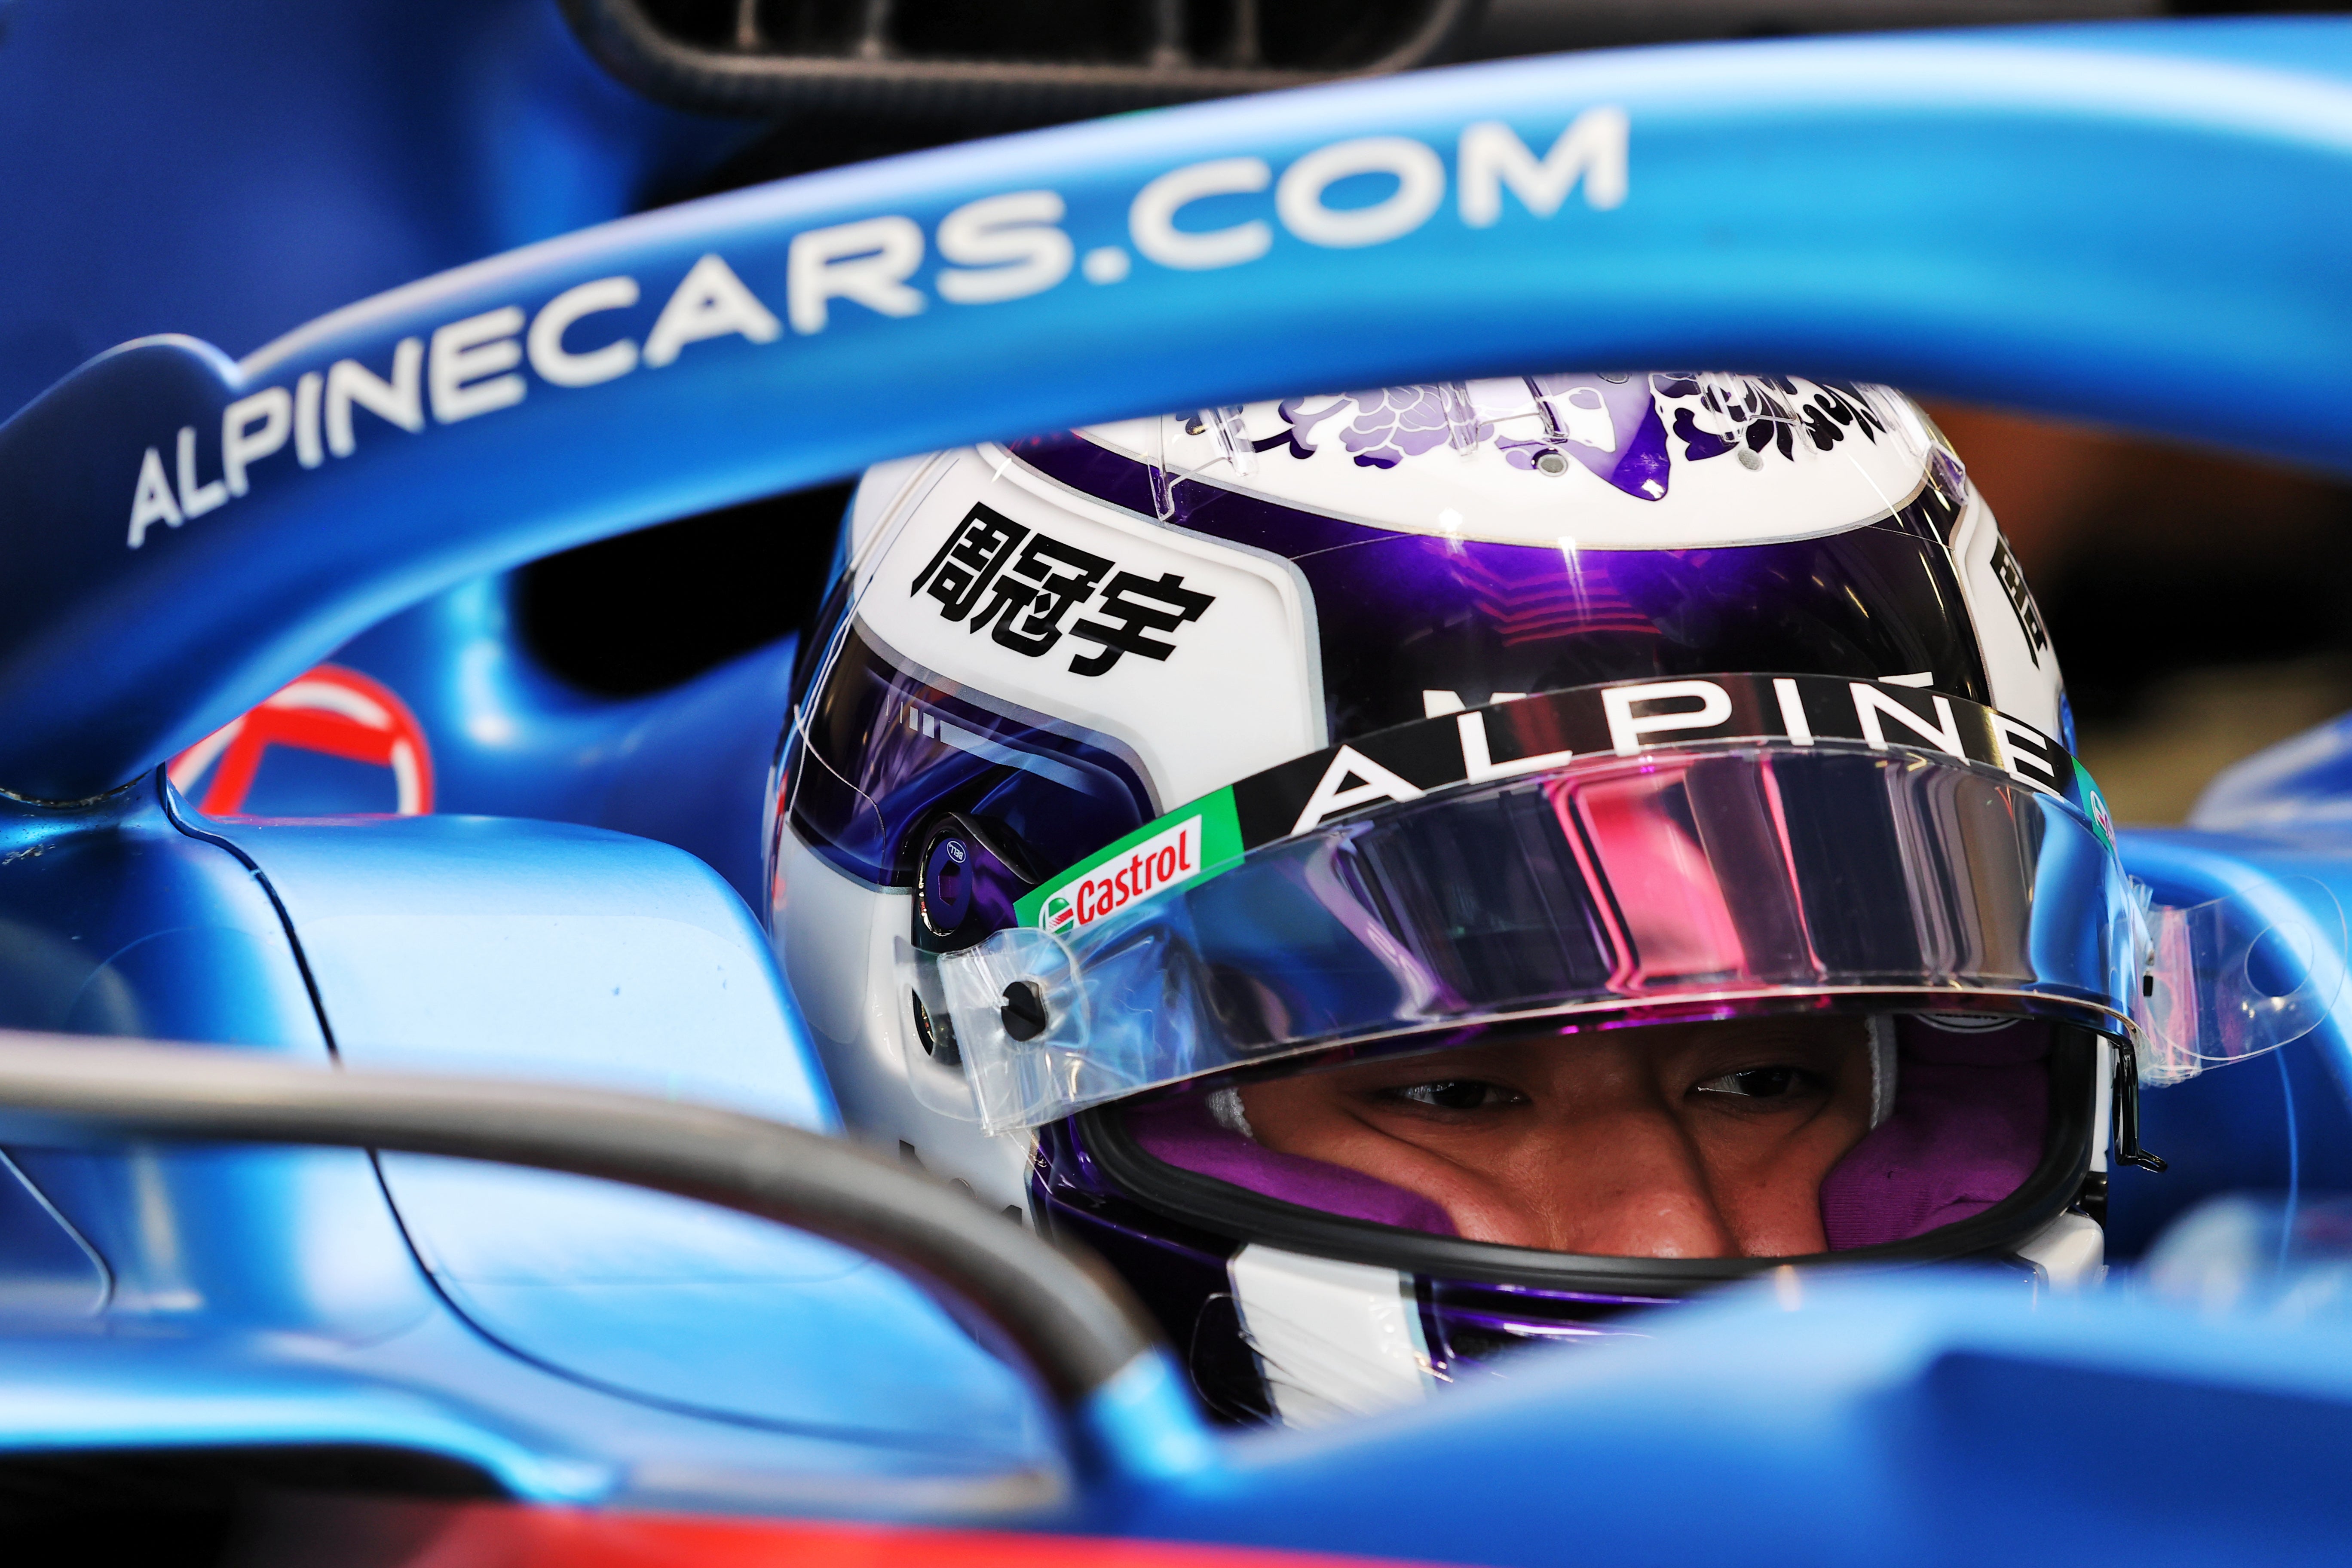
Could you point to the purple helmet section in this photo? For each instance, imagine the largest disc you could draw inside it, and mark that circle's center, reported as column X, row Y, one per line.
column 1400, row 613
column 1967, row 1129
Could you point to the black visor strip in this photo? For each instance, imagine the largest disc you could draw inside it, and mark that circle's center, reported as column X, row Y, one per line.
column 1631, row 719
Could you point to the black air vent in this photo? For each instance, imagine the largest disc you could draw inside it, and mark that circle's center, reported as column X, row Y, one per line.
column 1031, row 63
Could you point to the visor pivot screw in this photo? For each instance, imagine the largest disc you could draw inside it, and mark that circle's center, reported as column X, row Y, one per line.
column 1024, row 1010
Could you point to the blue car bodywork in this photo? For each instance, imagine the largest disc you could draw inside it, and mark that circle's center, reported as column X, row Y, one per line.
column 2139, row 225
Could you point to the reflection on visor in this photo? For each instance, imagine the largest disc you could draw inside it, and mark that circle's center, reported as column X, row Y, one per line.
column 1701, row 877
column 1708, row 843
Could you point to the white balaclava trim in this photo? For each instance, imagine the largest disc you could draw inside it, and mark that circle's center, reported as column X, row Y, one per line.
column 1225, row 1111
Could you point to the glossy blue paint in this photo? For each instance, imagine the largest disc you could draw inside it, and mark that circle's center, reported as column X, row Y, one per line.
column 490, row 944
column 1996, row 215
column 2137, row 224
column 687, row 766
column 539, row 949
column 262, row 161
column 2224, row 1131
column 462, row 944
column 114, row 922
column 117, row 923
column 439, row 1387
column 1932, row 1421
column 47, row 1267
column 1142, row 1429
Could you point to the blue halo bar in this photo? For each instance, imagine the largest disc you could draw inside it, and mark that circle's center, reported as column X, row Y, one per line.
column 2127, row 224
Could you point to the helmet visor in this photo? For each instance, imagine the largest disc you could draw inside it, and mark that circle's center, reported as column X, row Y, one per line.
column 1707, row 880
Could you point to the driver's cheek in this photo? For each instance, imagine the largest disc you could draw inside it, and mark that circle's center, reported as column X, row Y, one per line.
column 1462, row 1171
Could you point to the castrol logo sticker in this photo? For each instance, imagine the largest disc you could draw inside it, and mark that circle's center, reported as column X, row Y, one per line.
column 1154, row 866
column 1161, row 855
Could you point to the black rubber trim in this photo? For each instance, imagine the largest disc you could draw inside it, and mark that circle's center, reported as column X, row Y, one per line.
column 763, row 85
column 1075, row 1325
column 1248, row 1216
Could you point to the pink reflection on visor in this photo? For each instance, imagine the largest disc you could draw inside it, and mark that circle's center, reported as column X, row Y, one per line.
column 1658, row 847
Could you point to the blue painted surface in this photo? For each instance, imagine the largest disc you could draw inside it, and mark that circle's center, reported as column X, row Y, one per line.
column 687, row 766
column 2227, row 1131
column 1998, row 218
column 2136, row 224
column 458, row 944
column 1933, row 1422
column 542, row 949
column 488, row 944
column 231, row 168
column 47, row 1267
column 439, row 1387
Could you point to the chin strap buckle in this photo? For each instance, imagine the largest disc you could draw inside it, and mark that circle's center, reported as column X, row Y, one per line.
column 2127, row 1109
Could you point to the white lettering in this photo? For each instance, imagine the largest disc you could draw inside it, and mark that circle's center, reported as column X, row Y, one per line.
column 709, row 302
column 1626, row 731
column 2023, row 746
column 1869, row 703
column 868, row 261
column 1493, row 156
column 557, row 365
column 1151, row 218
column 1478, row 763
column 197, row 500
column 242, row 444
column 152, row 503
column 468, row 357
column 307, row 450
column 1334, row 793
column 1421, row 186
column 1792, row 711
column 1013, row 242
column 1437, row 704
column 399, row 401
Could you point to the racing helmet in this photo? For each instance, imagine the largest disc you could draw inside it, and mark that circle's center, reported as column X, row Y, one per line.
column 1208, row 836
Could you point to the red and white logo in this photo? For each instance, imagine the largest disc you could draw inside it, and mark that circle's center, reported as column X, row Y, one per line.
column 331, row 709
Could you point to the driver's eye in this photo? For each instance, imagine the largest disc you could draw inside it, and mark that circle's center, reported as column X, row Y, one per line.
column 1455, row 1094
column 1761, row 1083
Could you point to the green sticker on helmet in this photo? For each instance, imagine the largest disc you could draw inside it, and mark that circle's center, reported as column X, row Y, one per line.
column 1196, row 840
